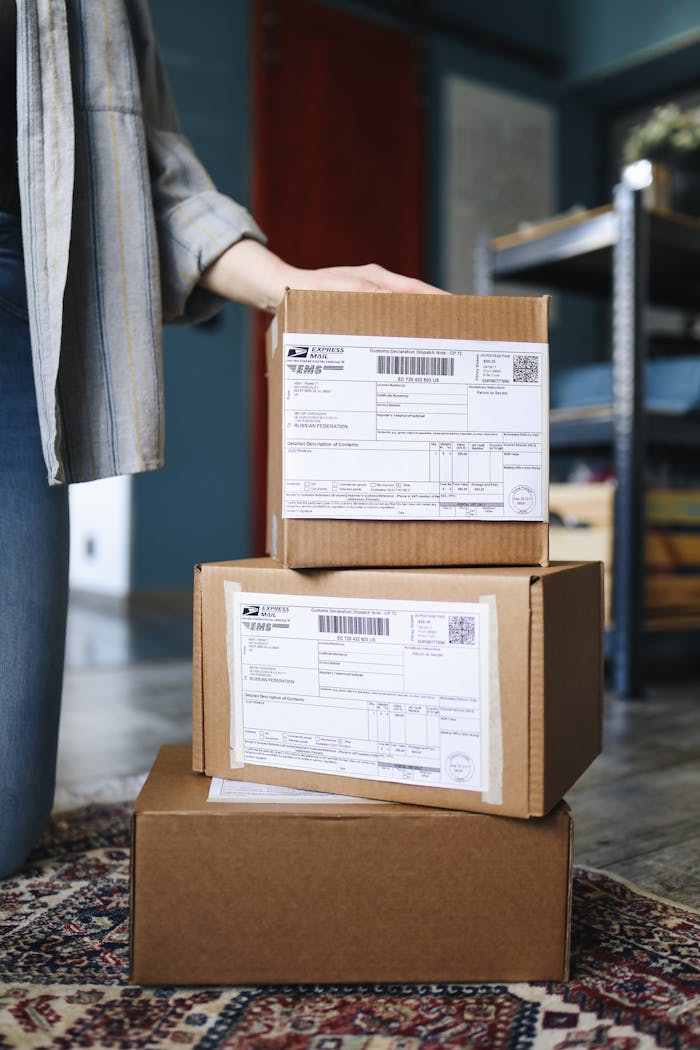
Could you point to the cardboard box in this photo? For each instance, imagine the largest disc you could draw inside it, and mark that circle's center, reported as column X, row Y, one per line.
column 498, row 710
column 254, row 893
column 581, row 528
column 582, row 503
column 673, row 533
column 379, row 469
column 673, row 507
column 671, row 544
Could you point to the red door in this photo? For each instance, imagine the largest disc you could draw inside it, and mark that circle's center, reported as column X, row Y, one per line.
column 339, row 156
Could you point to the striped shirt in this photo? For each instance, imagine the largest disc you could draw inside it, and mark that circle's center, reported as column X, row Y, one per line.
column 119, row 220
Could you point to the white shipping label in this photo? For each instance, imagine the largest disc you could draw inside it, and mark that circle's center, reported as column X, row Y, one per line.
column 221, row 790
column 373, row 688
column 417, row 429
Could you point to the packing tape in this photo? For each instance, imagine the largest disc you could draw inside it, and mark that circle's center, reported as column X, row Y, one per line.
column 494, row 793
column 236, row 756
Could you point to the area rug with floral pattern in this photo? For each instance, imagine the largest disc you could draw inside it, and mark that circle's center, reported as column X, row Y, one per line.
column 635, row 978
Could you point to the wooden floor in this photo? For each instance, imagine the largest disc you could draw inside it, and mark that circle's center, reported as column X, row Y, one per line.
column 636, row 810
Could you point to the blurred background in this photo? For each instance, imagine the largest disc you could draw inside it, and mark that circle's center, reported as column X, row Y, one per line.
column 393, row 131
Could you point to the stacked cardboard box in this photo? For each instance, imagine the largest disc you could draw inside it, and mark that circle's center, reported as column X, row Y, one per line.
column 585, row 529
column 416, row 721
column 672, row 585
column 581, row 527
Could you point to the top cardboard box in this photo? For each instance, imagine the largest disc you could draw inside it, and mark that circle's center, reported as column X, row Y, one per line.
column 407, row 430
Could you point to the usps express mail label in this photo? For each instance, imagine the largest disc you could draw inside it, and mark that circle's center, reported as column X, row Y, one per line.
column 371, row 688
column 377, row 428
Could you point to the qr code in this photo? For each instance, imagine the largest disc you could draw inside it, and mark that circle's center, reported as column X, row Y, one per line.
column 461, row 630
column 526, row 368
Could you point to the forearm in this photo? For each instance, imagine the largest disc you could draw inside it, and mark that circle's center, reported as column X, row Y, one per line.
column 250, row 273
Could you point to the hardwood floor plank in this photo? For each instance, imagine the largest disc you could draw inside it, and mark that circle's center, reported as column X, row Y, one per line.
column 673, row 872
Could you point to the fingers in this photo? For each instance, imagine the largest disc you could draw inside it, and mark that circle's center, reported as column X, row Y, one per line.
column 367, row 278
column 389, row 281
column 340, row 279
column 412, row 285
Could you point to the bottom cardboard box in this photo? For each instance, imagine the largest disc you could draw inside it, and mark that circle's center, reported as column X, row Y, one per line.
column 338, row 892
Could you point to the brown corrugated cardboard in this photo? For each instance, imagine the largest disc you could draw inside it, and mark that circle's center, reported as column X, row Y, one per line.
column 582, row 528
column 316, row 542
column 255, row 893
column 542, row 706
column 671, row 544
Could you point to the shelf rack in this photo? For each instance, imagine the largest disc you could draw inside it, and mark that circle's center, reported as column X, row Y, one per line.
column 634, row 256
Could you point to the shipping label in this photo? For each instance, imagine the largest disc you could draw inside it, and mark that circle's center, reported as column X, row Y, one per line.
column 429, row 429
column 221, row 790
column 390, row 690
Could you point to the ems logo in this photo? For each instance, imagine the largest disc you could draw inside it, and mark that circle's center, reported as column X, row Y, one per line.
column 251, row 610
column 297, row 352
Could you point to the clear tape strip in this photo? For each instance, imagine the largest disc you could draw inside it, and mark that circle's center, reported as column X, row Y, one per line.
column 236, row 757
column 494, row 793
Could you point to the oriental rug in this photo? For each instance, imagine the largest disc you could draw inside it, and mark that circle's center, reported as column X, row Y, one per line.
column 635, row 981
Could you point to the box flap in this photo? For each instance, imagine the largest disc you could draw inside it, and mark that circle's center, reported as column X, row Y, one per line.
column 566, row 963
column 568, row 664
column 304, row 543
column 197, row 686
column 508, row 318
column 132, row 894
column 537, row 694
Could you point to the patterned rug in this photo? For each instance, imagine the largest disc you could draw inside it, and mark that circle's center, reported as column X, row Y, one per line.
column 64, row 957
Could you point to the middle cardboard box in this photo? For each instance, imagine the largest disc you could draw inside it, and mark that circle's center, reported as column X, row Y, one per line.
column 474, row 689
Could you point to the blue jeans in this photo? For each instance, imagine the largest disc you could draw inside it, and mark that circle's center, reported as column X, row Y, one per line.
column 33, row 580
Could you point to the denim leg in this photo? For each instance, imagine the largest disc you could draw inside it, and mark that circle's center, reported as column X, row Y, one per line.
column 33, row 585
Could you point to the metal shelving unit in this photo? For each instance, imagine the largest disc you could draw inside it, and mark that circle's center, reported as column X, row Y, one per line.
column 633, row 256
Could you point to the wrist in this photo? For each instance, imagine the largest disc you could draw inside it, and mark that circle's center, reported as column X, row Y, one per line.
column 250, row 273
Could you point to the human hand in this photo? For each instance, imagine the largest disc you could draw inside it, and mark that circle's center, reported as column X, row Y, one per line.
column 250, row 273
column 367, row 278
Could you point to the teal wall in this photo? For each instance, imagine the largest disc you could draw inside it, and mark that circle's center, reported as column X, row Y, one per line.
column 197, row 507
column 535, row 25
column 599, row 37
column 619, row 52
column 575, row 324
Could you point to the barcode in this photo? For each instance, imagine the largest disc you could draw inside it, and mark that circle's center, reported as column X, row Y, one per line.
column 398, row 364
column 526, row 368
column 461, row 630
column 337, row 624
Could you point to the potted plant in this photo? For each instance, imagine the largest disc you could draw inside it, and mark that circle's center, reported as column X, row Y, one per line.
column 670, row 140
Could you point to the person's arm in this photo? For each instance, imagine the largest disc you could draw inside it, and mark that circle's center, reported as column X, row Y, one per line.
column 210, row 247
column 250, row 273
